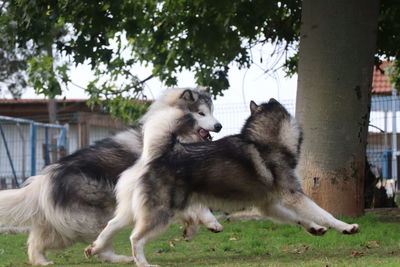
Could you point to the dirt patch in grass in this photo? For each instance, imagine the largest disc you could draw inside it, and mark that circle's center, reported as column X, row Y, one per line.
column 386, row 214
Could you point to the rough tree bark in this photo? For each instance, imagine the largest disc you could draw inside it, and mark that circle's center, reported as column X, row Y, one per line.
column 337, row 46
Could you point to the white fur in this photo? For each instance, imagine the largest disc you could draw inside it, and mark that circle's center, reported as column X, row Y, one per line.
column 207, row 120
column 157, row 131
column 18, row 207
column 289, row 134
column 131, row 140
column 169, row 98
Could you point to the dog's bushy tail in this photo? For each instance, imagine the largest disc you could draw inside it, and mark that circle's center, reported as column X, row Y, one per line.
column 19, row 207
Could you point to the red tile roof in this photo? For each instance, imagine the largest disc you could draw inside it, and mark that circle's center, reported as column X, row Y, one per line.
column 380, row 83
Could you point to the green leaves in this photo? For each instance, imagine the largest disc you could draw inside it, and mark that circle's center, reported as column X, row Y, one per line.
column 46, row 79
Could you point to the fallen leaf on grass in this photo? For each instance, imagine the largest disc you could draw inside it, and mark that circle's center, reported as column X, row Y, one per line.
column 159, row 251
column 285, row 249
column 301, row 249
column 373, row 244
column 272, row 228
column 355, row 253
column 172, row 245
column 233, row 239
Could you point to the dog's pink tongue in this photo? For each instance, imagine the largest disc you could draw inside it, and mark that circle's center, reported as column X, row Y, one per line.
column 203, row 133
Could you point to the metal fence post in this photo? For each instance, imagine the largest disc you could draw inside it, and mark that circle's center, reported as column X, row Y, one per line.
column 46, row 146
column 33, row 149
column 394, row 135
column 9, row 155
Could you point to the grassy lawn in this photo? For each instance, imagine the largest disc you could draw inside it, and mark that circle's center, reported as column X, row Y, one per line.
column 245, row 243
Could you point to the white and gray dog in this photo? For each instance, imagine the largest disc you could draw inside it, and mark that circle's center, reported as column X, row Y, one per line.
column 73, row 199
column 256, row 168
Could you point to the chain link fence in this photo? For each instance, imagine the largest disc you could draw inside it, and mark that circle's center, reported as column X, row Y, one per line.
column 27, row 147
column 232, row 116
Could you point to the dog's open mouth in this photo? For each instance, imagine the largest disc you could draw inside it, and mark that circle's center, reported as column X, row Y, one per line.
column 205, row 135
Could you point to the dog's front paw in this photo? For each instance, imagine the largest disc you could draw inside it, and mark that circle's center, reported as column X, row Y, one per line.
column 351, row 229
column 215, row 227
column 89, row 251
column 317, row 231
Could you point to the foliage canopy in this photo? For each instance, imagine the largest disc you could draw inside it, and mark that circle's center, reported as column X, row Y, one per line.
column 203, row 36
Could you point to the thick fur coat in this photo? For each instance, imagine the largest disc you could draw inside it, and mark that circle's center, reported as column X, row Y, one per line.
column 256, row 168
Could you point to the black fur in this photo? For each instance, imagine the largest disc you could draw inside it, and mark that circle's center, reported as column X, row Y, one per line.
column 101, row 164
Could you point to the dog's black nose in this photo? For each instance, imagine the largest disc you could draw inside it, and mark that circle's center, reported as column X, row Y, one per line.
column 217, row 127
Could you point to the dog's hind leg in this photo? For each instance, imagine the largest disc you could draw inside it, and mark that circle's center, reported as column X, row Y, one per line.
column 277, row 212
column 305, row 208
column 42, row 238
column 195, row 214
column 147, row 227
column 104, row 240
column 209, row 220
column 191, row 229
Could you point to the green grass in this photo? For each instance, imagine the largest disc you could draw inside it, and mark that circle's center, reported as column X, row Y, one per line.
column 244, row 243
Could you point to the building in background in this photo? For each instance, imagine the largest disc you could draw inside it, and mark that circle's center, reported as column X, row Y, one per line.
column 25, row 150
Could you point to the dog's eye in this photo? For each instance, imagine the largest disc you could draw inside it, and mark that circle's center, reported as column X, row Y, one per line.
column 201, row 114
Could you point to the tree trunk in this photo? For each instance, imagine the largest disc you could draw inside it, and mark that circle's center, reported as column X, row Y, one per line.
column 337, row 46
column 52, row 104
column 52, row 110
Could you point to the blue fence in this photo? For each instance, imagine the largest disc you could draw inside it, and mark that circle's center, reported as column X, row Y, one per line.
column 27, row 146
column 383, row 137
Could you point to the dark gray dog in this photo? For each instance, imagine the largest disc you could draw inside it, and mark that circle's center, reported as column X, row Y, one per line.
column 256, row 168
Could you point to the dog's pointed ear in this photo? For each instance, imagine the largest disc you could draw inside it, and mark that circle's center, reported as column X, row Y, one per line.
column 189, row 95
column 253, row 107
column 273, row 100
column 204, row 89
